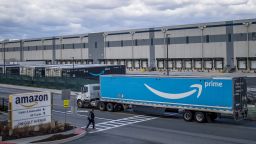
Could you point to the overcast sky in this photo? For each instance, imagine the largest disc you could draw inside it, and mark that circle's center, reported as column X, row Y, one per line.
column 21, row 19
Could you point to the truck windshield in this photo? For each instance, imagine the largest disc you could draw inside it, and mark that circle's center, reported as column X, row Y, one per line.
column 96, row 88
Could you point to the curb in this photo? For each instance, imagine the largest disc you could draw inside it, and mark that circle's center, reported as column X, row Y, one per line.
column 81, row 133
column 64, row 140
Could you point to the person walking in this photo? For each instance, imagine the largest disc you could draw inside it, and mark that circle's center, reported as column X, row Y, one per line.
column 91, row 119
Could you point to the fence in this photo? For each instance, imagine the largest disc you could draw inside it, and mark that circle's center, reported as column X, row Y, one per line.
column 3, row 104
column 47, row 82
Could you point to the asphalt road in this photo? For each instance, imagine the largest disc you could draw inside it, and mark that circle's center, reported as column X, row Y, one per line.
column 128, row 127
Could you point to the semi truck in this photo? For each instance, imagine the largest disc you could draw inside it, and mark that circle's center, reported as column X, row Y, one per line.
column 197, row 98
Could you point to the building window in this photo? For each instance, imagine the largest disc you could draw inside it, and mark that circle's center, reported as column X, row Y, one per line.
column 207, row 38
column 122, row 43
column 95, row 45
column 187, row 40
column 254, row 36
column 136, row 42
column 229, row 37
column 151, row 41
column 108, row 44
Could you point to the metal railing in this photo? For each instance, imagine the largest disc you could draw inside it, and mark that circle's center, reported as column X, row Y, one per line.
column 47, row 82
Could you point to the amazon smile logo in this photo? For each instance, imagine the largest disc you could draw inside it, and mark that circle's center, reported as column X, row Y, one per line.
column 98, row 74
column 197, row 88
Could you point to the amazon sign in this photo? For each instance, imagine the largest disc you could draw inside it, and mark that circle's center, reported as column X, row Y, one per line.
column 30, row 109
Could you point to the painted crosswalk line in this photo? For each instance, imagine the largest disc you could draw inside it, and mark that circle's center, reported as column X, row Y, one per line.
column 120, row 122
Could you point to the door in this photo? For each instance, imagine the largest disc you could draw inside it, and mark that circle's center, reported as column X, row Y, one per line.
column 198, row 64
column 240, row 98
column 170, row 64
column 178, row 64
column 208, row 64
column 188, row 64
column 160, row 64
column 242, row 64
column 219, row 64
column 253, row 64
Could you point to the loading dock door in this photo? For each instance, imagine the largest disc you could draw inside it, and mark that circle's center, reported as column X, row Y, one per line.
column 170, row 64
column 160, row 64
column 122, row 62
column 129, row 64
column 178, row 64
column 144, row 64
column 208, row 64
column 198, row 64
column 253, row 64
column 242, row 64
column 137, row 64
column 115, row 62
column 219, row 64
column 188, row 64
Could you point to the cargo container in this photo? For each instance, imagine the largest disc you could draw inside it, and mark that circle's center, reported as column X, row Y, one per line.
column 197, row 98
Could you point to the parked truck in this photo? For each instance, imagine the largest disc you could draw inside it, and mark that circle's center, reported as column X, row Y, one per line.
column 197, row 98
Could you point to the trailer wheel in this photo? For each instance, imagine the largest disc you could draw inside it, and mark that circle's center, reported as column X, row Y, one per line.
column 110, row 107
column 118, row 107
column 199, row 117
column 214, row 116
column 102, row 106
column 188, row 116
column 80, row 104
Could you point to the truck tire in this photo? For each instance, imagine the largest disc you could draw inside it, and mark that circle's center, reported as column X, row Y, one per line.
column 118, row 107
column 214, row 116
column 110, row 107
column 199, row 117
column 188, row 116
column 102, row 106
column 80, row 104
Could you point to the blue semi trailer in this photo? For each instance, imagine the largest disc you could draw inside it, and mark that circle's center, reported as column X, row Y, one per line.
column 197, row 98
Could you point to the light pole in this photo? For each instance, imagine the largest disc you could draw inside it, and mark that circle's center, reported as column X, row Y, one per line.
column 202, row 44
column 4, row 70
column 73, row 70
column 104, row 44
column 132, row 34
column 167, row 53
column 164, row 30
column 247, row 25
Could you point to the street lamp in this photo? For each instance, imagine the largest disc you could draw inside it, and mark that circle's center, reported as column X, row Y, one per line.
column 4, row 71
column 247, row 24
column 202, row 43
column 105, row 37
column 132, row 34
column 167, row 53
column 73, row 70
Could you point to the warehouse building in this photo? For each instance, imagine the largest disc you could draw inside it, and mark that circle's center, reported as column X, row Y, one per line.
column 216, row 46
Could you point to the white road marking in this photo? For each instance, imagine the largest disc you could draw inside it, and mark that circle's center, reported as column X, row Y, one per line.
column 69, row 113
column 120, row 122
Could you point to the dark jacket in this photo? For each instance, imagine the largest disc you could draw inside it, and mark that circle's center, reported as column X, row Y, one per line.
column 91, row 116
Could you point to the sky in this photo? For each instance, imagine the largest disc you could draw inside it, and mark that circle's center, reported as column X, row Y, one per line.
column 23, row 19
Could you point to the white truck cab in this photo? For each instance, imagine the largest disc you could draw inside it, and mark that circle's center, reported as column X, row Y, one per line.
column 88, row 96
